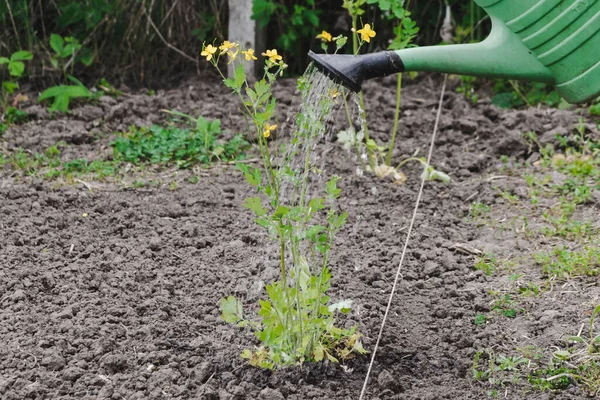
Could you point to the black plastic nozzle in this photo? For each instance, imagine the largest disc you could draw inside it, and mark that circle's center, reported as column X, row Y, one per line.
column 351, row 71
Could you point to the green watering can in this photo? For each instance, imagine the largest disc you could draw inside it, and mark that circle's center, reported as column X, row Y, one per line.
column 552, row 41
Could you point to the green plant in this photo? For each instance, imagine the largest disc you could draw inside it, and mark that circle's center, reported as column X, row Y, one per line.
column 297, row 320
column 497, row 369
column 183, row 146
column 512, row 94
column 67, row 51
column 16, row 68
column 12, row 116
column 529, row 289
column 565, row 264
column 487, row 263
column 579, row 363
column 478, row 209
column 63, row 94
column 467, row 88
column 510, row 197
column 505, row 305
column 109, row 89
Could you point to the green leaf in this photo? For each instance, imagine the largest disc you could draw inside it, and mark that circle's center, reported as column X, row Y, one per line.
column 246, row 354
column 62, row 95
column 332, row 188
column 239, row 75
column 261, row 87
column 331, row 358
column 231, row 310
column 86, row 57
column 255, row 204
column 280, row 212
column 4, row 60
column 313, row 232
column 16, row 68
column 262, row 10
column 319, row 352
column 432, row 174
column 22, row 55
column 562, row 354
column 57, row 43
column 347, row 138
column 337, row 220
column 253, row 175
column 9, row 86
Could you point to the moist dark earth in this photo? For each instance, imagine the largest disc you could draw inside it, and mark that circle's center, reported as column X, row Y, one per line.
column 111, row 292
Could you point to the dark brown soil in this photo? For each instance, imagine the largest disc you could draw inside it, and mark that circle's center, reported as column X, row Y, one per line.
column 113, row 293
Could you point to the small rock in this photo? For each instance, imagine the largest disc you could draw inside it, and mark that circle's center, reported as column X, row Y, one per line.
column 107, row 100
column 203, row 371
column 270, row 394
column 114, row 363
column 482, row 306
column 18, row 295
column 73, row 373
column 48, row 280
column 467, row 126
column 67, row 313
column 106, row 392
column 431, row 268
column 54, row 362
column 464, row 343
column 386, row 381
column 210, row 394
column 155, row 244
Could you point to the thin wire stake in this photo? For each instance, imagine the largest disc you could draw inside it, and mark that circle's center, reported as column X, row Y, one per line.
column 410, row 227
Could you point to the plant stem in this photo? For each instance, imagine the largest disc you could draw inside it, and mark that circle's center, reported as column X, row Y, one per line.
column 360, row 94
column 515, row 86
column 388, row 159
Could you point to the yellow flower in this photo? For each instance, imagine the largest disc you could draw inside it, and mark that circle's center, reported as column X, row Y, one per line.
column 366, row 33
column 325, row 36
column 249, row 54
column 227, row 45
column 334, row 93
column 208, row 52
column 232, row 56
column 268, row 130
column 273, row 56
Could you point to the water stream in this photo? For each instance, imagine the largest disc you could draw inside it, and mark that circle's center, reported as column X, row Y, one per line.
column 322, row 100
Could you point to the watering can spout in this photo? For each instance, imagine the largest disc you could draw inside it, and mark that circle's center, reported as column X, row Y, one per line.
column 501, row 55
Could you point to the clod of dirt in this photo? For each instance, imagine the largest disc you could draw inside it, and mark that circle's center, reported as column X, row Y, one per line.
column 54, row 362
column 18, row 295
column 114, row 363
column 270, row 394
column 387, row 381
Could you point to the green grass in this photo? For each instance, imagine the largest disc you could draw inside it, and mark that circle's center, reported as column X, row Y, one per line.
column 487, row 263
column 506, row 305
column 478, row 209
column 12, row 116
column 566, row 264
